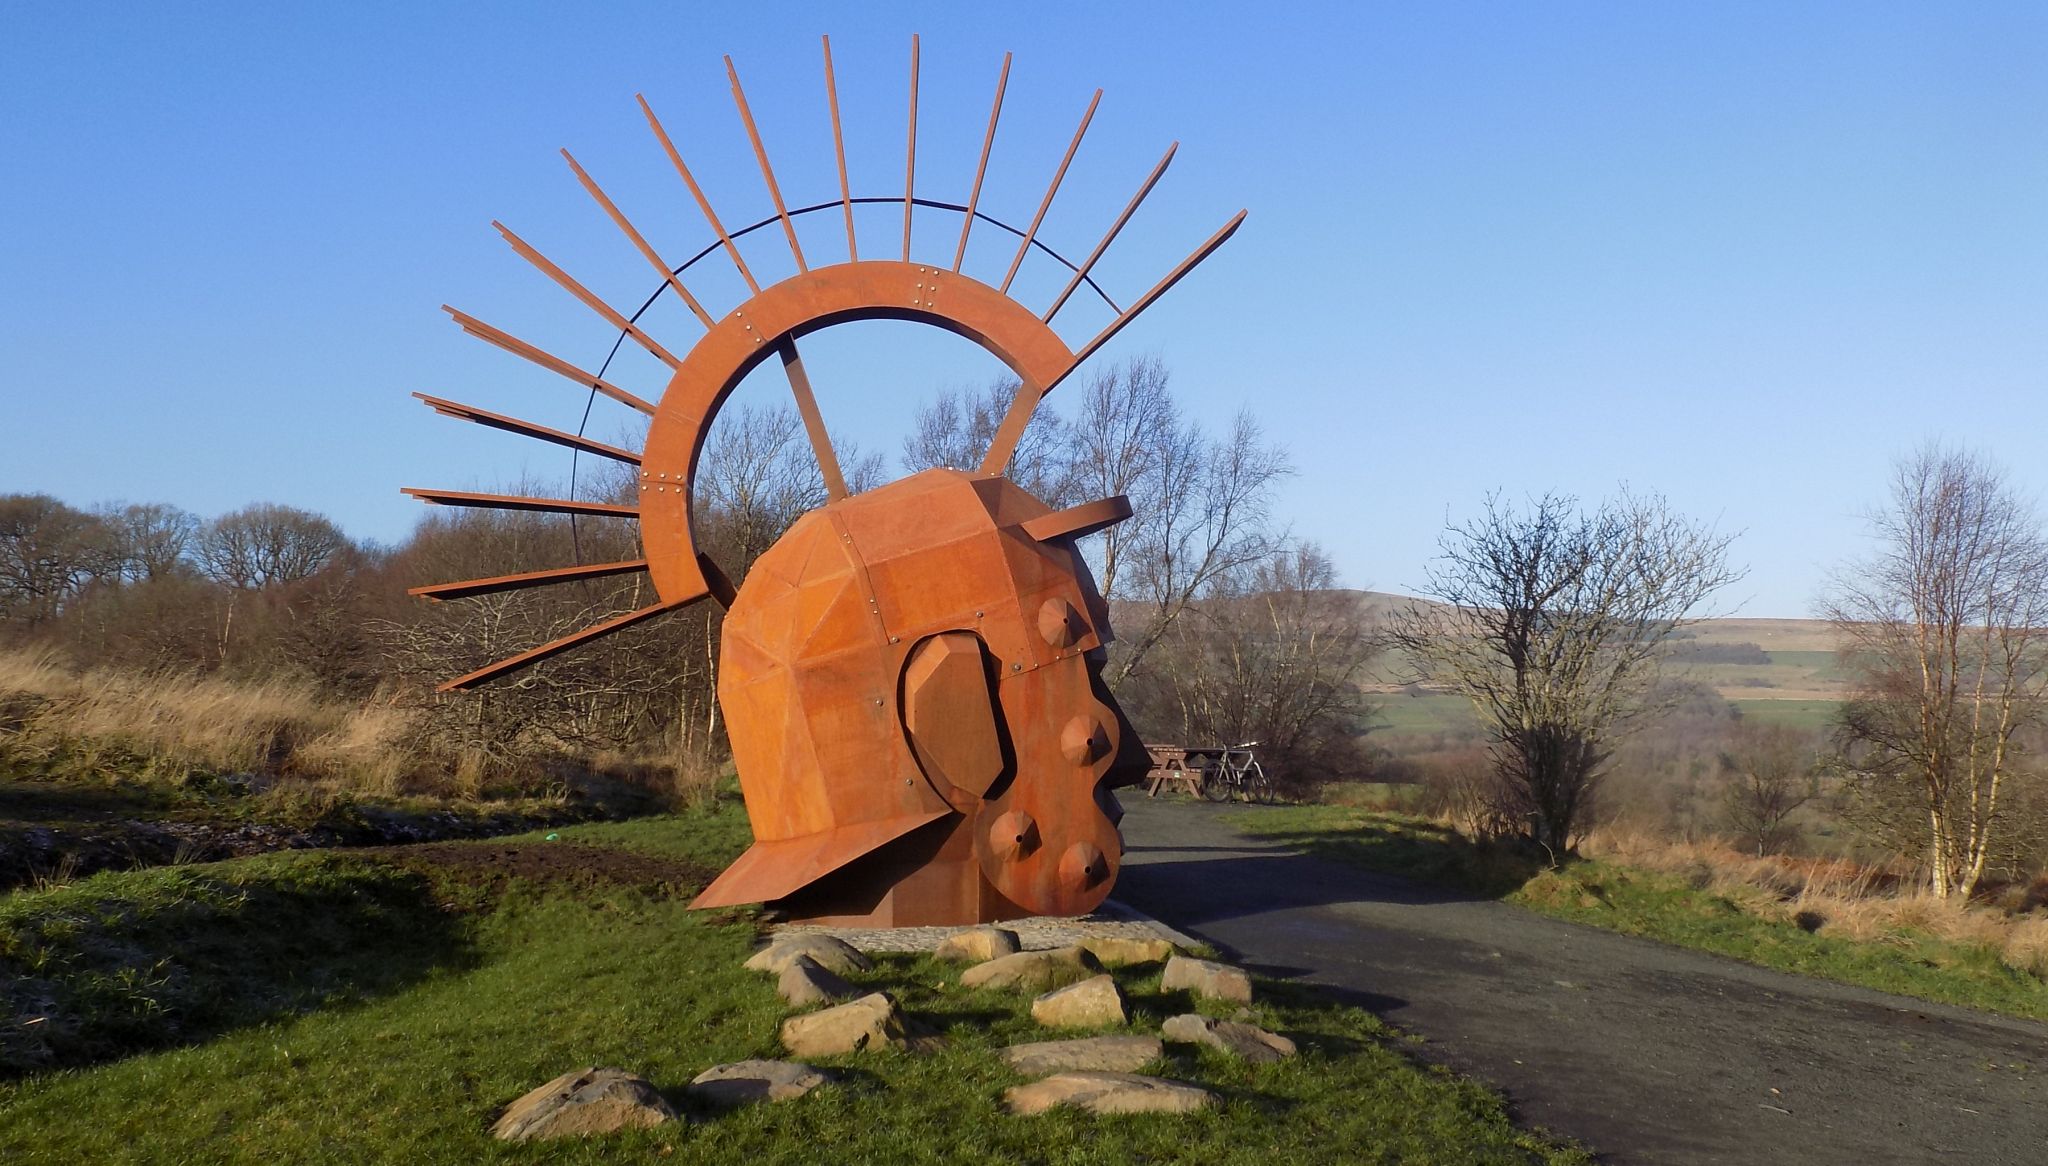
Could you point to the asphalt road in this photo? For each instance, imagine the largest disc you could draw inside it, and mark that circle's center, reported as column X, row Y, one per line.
column 1642, row 1052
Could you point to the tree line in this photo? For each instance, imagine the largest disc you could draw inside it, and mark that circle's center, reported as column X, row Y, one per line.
column 1229, row 628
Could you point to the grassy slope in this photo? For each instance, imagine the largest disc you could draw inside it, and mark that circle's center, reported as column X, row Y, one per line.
column 546, row 980
column 1658, row 906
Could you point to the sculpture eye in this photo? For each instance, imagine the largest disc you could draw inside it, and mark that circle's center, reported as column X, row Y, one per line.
column 949, row 714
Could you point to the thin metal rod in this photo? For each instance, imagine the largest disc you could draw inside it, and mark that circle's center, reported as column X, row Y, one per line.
column 1081, row 272
column 814, row 421
column 1149, row 298
column 910, row 153
column 546, row 360
column 554, row 647
column 468, row 587
column 522, row 502
column 981, row 168
column 717, row 583
column 1011, row 431
column 589, row 298
column 839, row 148
column 739, row 98
column 638, row 240
column 1058, row 176
column 462, row 412
column 703, row 204
column 1003, row 446
column 926, row 203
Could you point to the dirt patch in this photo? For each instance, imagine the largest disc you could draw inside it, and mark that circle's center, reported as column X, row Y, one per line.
column 492, row 866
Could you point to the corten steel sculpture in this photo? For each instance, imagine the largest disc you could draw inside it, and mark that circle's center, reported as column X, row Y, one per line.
column 911, row 675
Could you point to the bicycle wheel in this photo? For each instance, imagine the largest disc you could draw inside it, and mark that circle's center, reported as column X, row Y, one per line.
column 1260, row 788
column 1218, row 788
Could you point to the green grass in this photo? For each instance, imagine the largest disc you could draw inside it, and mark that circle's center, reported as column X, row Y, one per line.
column 1429, row 713
column 541, row 979
column 149, row 958
column 1655, row 905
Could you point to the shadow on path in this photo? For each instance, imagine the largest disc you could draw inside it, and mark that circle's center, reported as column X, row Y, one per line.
column 1645, row 1052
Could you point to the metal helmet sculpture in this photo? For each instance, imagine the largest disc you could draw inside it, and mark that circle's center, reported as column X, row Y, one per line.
column 910, row 675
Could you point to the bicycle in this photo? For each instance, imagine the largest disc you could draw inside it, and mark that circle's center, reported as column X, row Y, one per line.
column 1237, row 775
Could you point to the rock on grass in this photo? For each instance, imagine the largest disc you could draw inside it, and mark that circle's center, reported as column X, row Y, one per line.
column 1102, row 1054
column 803, row 983
column 978, row 945
column 871, row 1022
column 587, row 1101
column 1118, row 951
column 1032, row 970
column 1106, row 1093
column 832, row 954
column 1091, row 1003
column 1207, row 979
column 746, row 1082
column 1248, row 1041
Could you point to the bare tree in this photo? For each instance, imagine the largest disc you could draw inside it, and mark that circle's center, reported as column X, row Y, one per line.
column 49, row 554
column 153, row 538
column 1204, row 513
column 266, row 544
column 758, row 476
column 1946, row 626
column 1201, row 505
column 1553, row 622
column 957, row 429
column 1770, row 776
column 1271, row 654
column 1118, row 441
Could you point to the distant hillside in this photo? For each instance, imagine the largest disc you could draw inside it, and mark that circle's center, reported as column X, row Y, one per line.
column 1745, row 660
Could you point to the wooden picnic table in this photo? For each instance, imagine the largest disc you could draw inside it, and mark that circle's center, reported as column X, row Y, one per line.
column 1180, row 765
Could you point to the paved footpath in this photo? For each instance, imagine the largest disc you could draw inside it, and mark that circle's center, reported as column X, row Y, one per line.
column 1643, row 1052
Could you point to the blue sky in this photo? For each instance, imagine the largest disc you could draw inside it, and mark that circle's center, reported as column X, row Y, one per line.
column 1739, row 254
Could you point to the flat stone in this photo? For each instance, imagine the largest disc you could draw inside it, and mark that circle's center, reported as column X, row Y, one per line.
column 803, row 983
column 870, row 1022
column 833, row 954
column 746, row 1082
column 1248, row 1041
column 1102, row 1054
column 1091, row 1003
column 1115, row 951
column 1107, row 1093
column 587, row 1101
column 979, row 945
column 1207, row 979
column 1033, row 970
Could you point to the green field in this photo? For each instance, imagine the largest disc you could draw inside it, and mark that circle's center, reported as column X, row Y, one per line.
column 1398, row 713
column 342, row 1008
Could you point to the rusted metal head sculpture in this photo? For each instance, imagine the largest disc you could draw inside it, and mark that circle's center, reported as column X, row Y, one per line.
column 911, row 675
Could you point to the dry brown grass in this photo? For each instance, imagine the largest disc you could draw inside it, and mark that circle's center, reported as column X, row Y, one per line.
column 289, row 738
column 173, row 725
column 1830, row 896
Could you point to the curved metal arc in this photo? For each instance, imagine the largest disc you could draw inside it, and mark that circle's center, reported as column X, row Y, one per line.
column 871, row 289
